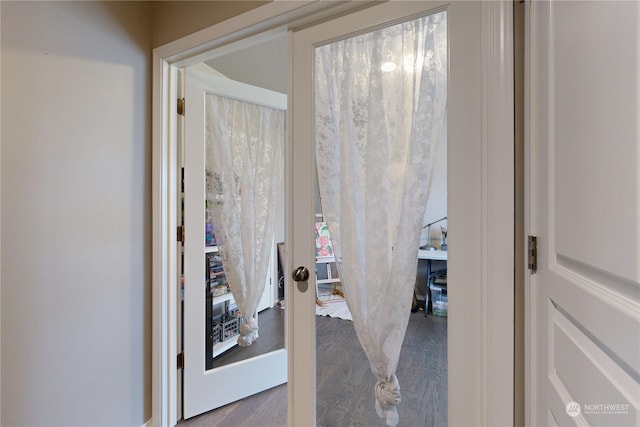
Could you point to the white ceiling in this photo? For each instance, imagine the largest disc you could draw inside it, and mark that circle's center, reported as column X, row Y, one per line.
column 264, row 63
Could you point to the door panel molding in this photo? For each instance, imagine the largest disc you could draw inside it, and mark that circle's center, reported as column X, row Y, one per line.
column 620, row 290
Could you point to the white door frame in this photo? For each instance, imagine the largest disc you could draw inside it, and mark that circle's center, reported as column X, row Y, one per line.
column 480, row 391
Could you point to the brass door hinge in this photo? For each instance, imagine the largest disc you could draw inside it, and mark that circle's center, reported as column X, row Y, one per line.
column 180, row 360
column 181, row 106
column 533, row 254
column 180, row 233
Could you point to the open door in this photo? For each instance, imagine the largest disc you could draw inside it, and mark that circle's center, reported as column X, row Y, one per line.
column 216, row 370
column 583, row 200
column 476, row 198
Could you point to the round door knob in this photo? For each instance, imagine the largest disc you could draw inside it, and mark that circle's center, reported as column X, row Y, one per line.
column 300, row 274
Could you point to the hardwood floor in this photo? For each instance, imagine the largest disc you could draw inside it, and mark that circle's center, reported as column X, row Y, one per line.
column 345, row 382
column 271, row 338
column 345, row 396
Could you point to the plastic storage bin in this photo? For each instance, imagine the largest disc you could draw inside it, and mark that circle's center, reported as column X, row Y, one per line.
column 439, row 304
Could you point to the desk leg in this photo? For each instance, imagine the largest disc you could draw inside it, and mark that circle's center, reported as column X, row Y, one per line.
column 427, row 290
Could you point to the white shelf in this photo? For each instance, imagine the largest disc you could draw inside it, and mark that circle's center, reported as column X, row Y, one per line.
column 222, row 298
column 223, row 346
column 335, row 294
column 332, row 280
column 210, row 249
column 325, row 259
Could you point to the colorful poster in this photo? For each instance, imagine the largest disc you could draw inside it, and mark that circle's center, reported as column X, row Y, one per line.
column 323, row 241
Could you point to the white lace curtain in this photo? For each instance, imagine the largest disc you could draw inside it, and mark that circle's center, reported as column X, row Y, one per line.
column 245, row 144
column 380, row 113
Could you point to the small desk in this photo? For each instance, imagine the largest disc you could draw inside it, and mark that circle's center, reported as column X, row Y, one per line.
column 437, row 255
column 430, row 255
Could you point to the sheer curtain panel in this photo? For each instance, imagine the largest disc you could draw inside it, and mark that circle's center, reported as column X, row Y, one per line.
column 380, row 113
column 245, row 144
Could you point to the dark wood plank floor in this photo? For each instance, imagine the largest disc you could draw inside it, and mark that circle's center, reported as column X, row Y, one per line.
column 270, row 338
column 345, row 382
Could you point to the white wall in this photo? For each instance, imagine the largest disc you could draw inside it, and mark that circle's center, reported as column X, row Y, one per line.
column 76, row 245
column 436, row 209
column 437, row 203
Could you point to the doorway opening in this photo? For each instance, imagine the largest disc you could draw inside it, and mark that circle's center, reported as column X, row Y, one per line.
column 426, row 340
column 468, row 382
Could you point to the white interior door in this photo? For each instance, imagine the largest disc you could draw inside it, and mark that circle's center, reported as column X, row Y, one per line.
column 465, row 210
column 207, row 387
column 584, row 207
